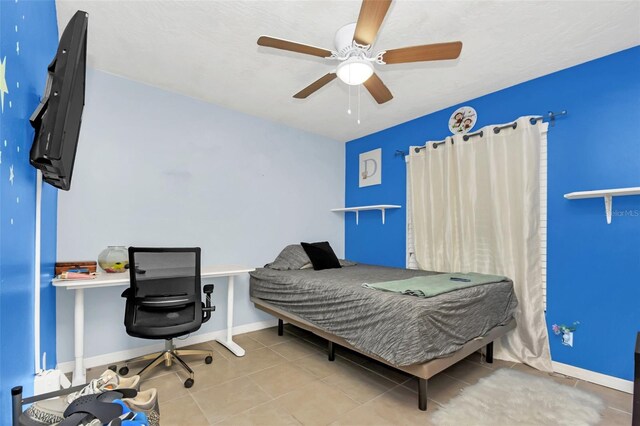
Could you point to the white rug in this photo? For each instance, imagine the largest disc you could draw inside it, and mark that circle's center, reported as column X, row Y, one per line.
column 510, row 397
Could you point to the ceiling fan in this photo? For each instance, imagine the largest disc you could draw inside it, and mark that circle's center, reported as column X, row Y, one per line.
column 353, row 49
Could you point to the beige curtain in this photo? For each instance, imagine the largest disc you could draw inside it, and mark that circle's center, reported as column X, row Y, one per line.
column 476, row 207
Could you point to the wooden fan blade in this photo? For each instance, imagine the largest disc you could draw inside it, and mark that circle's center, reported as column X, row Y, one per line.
column 378, row 90
column 278, row 43
column 426, row 52
column 372, row 14
column 316, row 85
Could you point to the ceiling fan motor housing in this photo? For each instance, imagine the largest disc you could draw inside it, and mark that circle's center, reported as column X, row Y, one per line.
column 344, row 38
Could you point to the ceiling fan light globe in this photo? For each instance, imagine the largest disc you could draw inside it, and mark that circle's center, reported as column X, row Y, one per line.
column 354, row 71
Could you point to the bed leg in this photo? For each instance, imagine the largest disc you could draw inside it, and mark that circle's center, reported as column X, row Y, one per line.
column 422, row 394
column 280, row 327
column 489, row 353
column 331, row 350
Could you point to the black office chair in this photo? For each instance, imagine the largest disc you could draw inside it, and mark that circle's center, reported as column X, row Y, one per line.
column 164, row 301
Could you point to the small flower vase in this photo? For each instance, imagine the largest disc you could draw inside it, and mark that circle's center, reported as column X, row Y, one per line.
column 114, row 259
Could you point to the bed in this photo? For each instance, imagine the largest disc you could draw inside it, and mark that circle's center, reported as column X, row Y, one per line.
column 421, row 336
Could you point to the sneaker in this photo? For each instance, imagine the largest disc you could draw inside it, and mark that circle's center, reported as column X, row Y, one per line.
column 146, row 402
column 50, row 411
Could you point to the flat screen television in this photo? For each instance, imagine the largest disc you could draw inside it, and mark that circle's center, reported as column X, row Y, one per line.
column 57, row 118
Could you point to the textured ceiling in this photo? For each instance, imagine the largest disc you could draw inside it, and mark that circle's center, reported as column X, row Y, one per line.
column 208, row 50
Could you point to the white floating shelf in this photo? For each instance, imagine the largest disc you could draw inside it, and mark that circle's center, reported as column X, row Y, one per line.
column 381, row 207
column 608, row 195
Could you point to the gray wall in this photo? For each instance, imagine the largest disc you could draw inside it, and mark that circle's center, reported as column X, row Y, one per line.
column 160, row 169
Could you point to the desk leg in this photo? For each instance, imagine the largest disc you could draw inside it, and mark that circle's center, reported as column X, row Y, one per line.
column 78, row 337
column 228, row 340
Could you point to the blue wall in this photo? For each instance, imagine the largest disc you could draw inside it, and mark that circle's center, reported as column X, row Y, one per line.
column 593, row 268
column 28, row 40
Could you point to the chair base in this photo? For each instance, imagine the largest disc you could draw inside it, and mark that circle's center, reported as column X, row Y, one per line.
column 168, row 356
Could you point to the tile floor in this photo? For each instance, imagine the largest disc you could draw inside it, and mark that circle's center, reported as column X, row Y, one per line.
column 287, row 380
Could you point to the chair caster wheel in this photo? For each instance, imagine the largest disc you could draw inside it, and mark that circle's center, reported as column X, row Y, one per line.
column 113, row 368
column 188, row 383
column 123, row 371
column 208, row 360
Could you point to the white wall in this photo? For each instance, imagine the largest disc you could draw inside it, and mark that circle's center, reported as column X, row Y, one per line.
column 160, row 169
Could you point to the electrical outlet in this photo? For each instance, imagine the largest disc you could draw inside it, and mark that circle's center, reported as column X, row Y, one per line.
column 567, row 339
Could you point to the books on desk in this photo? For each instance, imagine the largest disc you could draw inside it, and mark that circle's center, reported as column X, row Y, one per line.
column 87, row 266
column 76, row 275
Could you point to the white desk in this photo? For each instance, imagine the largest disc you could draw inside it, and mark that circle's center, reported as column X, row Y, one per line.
column 121, row 279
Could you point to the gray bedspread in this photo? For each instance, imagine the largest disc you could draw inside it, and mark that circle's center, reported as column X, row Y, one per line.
column 399, row 328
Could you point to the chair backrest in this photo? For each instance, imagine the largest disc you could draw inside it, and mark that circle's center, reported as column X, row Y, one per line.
column 164, row 299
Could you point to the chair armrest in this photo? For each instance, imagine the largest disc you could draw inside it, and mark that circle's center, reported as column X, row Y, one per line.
column 206, row 307
column 126, row 293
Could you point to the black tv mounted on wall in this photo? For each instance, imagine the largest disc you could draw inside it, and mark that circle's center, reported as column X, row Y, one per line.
column 58, row 117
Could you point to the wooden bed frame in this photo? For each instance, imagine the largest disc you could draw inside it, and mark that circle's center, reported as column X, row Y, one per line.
column 423, row 371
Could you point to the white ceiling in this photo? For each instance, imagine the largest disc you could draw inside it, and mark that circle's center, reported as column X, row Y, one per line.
column 208, row 50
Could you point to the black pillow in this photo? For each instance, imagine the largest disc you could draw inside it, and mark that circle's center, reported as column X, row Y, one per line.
column 321, row 255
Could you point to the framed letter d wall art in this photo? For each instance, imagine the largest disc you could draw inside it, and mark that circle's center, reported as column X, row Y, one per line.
column 371, row 168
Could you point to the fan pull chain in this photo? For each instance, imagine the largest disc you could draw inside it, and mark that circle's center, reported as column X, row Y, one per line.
column 359, row 103
column 349, row 109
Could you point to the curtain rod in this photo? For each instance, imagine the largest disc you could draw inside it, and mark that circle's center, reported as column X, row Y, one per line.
column 550, row 115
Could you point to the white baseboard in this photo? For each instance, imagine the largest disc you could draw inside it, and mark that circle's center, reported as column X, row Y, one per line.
column 114, row 357
column 593, row 377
